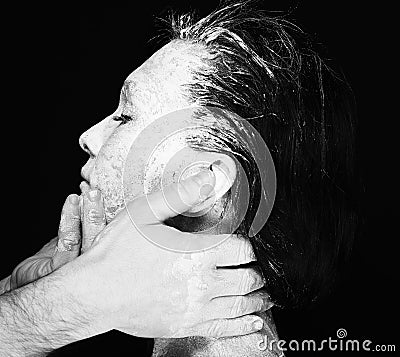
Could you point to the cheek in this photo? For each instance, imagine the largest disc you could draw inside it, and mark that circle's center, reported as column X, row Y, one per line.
column 108, row 171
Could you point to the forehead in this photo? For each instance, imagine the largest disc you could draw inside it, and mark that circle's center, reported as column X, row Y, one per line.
column 159, row 85
column 174, row 57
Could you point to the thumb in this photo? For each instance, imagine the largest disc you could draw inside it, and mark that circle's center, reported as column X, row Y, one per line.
column 172, row 200
column 69, row 237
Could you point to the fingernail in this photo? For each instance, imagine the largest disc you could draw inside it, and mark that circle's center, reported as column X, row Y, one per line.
column 258, row 324
column 93, row 195
column 74, row 199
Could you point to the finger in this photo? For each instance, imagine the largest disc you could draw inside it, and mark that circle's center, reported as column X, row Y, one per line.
column 5, row 285
column 236, row 306
column 174, row 239
column 237, row 281
column 31, row 269
column 240, row 326
column 84, row 186
column 93, row 218
column 34, row 267
column 235, row 250
column 68, row 243
column 173, row 200
column 47, row 251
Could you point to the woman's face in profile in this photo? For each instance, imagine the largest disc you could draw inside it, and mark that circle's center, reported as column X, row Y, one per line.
column 153, row 89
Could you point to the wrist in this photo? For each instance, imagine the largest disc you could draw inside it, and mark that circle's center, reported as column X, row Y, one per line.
column 42, row 316
column 81, row 298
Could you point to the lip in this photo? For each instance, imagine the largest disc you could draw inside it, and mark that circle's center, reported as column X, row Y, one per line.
column 85, row 184
column 87, row 169
column 84, row 173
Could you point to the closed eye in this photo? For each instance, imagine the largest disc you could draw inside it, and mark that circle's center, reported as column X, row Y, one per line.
column 123, row 118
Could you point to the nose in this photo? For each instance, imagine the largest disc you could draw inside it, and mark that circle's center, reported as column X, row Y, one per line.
column 93, row 139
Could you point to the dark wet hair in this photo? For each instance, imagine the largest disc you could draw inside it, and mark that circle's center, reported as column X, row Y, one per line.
column 267, row 70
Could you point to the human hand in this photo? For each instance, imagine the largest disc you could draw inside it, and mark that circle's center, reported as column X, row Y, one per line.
column 130, row 284
column 67, row 245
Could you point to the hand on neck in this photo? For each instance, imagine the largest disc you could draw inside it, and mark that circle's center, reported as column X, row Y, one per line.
column 252, row 345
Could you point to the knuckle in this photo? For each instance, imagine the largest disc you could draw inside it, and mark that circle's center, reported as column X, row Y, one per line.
column 241, row 248
column 248, row 251
column 242, row 326
column 72, row 236
column 68, row 241
column 238, row 306
column 244, row 280
column 215, row 329
column 69, row 222
column 245, row 250
column 88, row 238
column 267, row 303
column 248, row 279
column 260, row 302
column 94, row 216
column 43, row 268
column 74, row 219
column 247, row 328
column 256, row 279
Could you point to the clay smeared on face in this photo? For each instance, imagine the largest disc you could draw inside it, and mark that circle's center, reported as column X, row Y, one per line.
column 154, row 89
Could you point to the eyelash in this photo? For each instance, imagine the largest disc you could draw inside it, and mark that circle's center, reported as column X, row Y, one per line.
column 123, row 118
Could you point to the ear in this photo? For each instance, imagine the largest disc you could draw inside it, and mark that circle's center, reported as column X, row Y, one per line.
column 225, row 171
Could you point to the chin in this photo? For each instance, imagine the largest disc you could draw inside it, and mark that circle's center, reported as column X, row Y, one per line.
column 112, row 205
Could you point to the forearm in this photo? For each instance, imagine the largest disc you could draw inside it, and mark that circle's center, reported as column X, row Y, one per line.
column 40, row 317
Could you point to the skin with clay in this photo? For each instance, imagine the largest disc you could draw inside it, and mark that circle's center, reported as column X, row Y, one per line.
column 151, row 91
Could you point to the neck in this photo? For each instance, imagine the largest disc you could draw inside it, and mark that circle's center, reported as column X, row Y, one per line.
column 254, row 345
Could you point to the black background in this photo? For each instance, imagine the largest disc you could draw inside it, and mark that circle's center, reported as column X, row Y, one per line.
column 62, row 71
